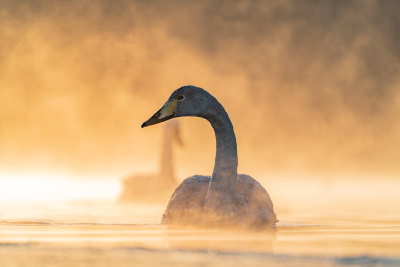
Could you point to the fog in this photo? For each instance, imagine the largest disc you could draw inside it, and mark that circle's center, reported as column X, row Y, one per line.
column 311, row 86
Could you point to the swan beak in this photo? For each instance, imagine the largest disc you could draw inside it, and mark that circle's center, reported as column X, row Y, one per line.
column 165, row 113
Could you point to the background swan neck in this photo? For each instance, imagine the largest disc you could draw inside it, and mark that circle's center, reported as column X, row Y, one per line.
column 166, row 160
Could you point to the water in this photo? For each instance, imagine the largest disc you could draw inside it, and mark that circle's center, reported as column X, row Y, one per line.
column 324, row 229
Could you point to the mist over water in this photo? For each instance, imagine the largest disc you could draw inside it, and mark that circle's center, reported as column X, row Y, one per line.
column 310, row 86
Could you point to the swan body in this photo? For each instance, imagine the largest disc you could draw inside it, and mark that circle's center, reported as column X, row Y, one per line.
column 188, row 200
column 225, row 198
column 155, row 187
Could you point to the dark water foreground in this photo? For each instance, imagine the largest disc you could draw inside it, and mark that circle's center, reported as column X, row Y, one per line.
column 101, row 234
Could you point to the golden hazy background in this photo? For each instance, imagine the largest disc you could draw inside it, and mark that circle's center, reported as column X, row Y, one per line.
column 311, row 86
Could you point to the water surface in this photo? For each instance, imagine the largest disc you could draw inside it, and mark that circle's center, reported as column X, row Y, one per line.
column 313, row 231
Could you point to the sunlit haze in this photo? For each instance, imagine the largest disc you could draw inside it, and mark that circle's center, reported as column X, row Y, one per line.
column 312, row 89
column 50, row 187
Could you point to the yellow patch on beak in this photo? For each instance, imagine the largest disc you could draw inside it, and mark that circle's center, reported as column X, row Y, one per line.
column 168, row 109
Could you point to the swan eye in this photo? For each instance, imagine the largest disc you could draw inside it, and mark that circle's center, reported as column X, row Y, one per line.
column 181, row 97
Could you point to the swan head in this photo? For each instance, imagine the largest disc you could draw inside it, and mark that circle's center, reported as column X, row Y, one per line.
column 186, row 101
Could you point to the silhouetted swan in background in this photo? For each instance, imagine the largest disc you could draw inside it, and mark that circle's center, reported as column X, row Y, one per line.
column 157, row 187
column 226, row 198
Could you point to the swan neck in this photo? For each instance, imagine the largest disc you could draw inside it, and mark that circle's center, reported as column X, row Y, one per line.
column 226, row 161
column 220, row 198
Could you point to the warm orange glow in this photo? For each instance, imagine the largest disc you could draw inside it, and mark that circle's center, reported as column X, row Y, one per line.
column 313, row 92
column 75, row 90
column 52, row 187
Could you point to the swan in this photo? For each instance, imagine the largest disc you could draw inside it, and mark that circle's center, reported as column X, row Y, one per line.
column 156, row 187
column 226, row 199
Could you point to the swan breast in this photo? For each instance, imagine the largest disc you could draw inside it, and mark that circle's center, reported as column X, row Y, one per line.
column 253, row 204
